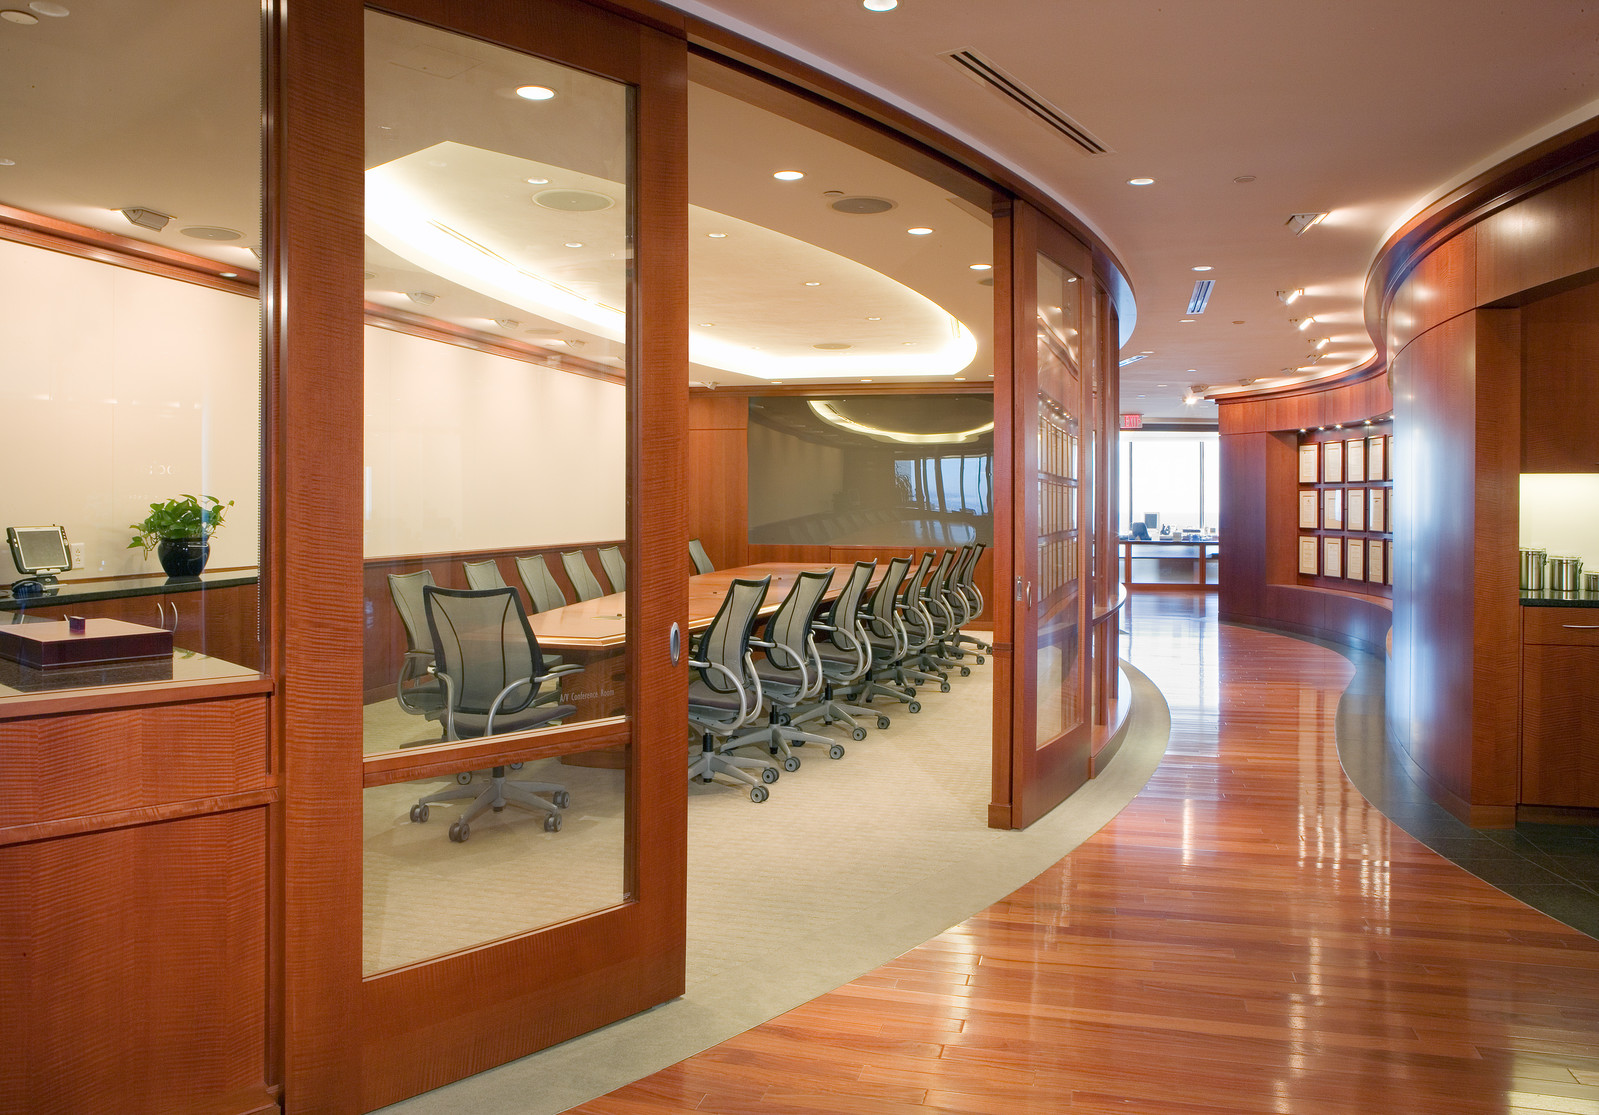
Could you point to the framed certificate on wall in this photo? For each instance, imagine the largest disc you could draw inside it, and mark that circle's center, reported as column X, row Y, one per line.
column 1307, row 511
column 1355, row 560
column 1332, row 510
column 1377, row 458
column 1374, row 562
column 1309, row 464
column 1355, row 512
column 1388, row 550
column 1332, row 557
column 1355, row 460
column 1332, row 462
column 1377, row 499
column 1307, row 554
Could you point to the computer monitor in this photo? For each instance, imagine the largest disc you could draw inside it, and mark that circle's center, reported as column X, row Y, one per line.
column 39, row 554
column 1152, row 519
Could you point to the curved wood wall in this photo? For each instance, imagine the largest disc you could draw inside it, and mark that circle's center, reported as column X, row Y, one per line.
column 1259, row 476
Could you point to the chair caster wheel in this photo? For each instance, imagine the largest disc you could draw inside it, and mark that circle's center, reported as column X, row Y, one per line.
column 914, row 706
column 517, row 766
column 784, row 718
column 419, row 813
column 791, row 764
column 552, row 822
column 966, row 671
column 758, row 794
column 981, row 660
column 460, row 832
column 769, row 774
column 860, row 733
column 836, row 751
column 882, row 721
column 943, row 687
column 561, row 799
column 464, row 778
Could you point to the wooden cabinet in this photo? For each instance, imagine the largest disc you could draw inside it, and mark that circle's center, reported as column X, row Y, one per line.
column 222, row 622
column 1560, row 411
column 1560, row 707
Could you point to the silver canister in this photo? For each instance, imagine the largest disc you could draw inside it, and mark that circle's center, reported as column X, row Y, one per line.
column 1590, row 584
column 1565, row 572
column 1533, row 562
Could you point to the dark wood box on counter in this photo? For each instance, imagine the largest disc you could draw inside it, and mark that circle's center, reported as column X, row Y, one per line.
column 50, row 645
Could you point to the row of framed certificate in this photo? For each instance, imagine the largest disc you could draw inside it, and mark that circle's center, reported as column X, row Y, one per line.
column 1353, row 461
column 1362, row 509
column 1353, row 559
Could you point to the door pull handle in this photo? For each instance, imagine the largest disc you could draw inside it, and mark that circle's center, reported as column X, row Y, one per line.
column 675, row 642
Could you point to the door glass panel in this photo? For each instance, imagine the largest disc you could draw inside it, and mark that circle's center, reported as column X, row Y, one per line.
column 1057, row 580
column 497, row 275
column 130, row 336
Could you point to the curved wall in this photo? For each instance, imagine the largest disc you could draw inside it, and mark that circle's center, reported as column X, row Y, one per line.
column 1259, row 476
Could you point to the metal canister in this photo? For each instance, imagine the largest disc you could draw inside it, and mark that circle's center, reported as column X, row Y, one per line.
column 1590, row 584
column 1565, row 572
column 1533, row 561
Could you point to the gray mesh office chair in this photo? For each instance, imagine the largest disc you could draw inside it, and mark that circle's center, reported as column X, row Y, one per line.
column 584, row 582
column 724, row 692
column 845, row 657
column 541, row 586
column 615, row 566
column 885, row 633
column 790, row 669
column 701, row 559
column 965, row 582
column 488, row 663
column 483, row 574
column 915, row 667
column 417, row 690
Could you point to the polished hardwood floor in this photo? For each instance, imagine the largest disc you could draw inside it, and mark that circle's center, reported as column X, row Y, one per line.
column 1249, row 935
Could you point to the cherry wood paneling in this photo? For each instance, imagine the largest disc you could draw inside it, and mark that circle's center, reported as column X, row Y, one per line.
column 1560, row 724
column 718, row 450
column 1559, row 405
column 1305, row 408
column 133, row 975
column 1443, row 285
column 1541, row 239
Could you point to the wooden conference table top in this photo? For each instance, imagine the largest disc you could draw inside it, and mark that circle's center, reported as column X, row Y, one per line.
column 602, row 622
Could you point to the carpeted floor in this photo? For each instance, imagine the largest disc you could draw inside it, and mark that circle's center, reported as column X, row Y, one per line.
column 848, row 865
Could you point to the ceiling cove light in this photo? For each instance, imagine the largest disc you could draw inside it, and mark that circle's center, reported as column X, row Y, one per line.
column 789, row 175
column 536, row 93
column 1301, row 223
column 830, row 414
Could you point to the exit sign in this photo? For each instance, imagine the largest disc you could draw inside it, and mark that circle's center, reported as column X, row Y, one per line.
column 1132, row 421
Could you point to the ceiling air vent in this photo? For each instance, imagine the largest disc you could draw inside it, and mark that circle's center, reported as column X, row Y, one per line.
column 1201, row 298
column 981, row 70
column 862, row 206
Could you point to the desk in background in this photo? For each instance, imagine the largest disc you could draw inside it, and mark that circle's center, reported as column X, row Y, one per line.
column 1197, row 551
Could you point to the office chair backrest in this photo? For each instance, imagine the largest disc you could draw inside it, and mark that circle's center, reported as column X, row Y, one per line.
column 968, row 577
column 847, row 605
column 911, row 591
column 880, row 609
column 790, row 625
column 540, row 584
column 483, row 574
column 406, row 589
column 483, row 642
column 701, row 559
column 615, row 566
column 584, row 582
column 727, row 640
column 938, row 587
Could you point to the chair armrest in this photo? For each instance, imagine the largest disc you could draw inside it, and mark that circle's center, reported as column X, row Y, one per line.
column 743, row 695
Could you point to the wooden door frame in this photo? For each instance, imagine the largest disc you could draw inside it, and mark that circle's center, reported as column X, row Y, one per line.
column 339, row 1051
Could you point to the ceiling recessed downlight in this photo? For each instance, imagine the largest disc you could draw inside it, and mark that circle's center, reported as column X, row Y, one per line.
column 833, row 346
column 982, row 267
column 861, row 205
column 813, row 282
column 1202, row 267
column 27, row 19
column 789, row 175
column 211, row 232
column 536, row 93
column 879, row 5
column 920, row 230
column 1140, row 181
column 573, row 201
column 50, row 8
column 717, row 235
column 537, row 181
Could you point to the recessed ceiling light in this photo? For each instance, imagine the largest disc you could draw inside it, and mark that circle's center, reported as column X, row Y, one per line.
column 1188, row 321
column 573, row 201
column 1306, row 323
column 789, row 175
column 874, row 319
column 813, row 283
column 535, row 93
column 537, row 181
column 574, row 243
column 1140, row 181
column 27, row 19
column 707, row 325
column 717, row 235
column 1202, row 267
column 866, row 381
column 1289, row 297
column 920, row 231
column 49, row 7
column 907, row 342
column 1161, row 385
column 507, row 323
column 211, row 232
column 879, row 5
column 228, row 274
column 8, row 162
column 1244, row 179
column 1301, row 223
column 982, row 266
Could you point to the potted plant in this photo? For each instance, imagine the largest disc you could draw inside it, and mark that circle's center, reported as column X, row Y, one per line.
column 179, row 531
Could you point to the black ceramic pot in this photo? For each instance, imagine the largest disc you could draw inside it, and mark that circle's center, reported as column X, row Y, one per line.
column 183, row 557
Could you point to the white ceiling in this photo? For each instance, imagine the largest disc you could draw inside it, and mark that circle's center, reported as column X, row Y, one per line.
column 1361, row 108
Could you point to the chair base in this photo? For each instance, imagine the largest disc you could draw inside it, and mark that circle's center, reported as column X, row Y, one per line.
column 500, row 792
column 710, row 762
column 778, row 740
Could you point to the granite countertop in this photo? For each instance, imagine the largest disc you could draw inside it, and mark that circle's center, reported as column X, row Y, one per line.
column 154, row 584
column 1549, row 598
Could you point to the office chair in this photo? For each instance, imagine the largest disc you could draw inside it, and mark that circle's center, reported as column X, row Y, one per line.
column 845, row 657
column 724, row 694
column 615, row 566
column 701, row 559
column 941, row 655
column 790, row 670
column 488, row 663
column 584, row 582
column 886, row 638
column 417, row 690
column 916, row 665
column 966, row 587
column 541, row 586
column 483, row 574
